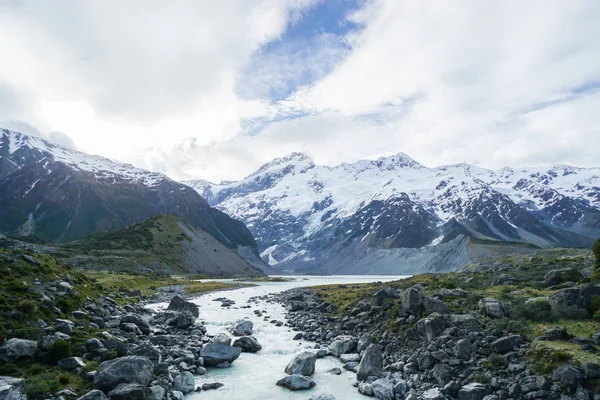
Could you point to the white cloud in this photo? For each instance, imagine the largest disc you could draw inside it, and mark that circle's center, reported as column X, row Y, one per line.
column 171, row 87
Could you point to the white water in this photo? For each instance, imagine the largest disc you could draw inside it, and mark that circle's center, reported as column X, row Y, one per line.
column 253, row 376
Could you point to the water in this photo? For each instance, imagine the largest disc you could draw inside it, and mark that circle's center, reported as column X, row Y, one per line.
column 253, row 376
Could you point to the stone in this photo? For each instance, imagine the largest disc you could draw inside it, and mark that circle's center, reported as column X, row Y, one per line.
column 131, row 391
column 323, row 396
column 185, row 320
column 591, row 370
column 433, row 394
column 242, row 328
column 222, row 338
column 141, row 323
column 296, row 382
column 371, row 363
column 345, row 358
column 335, row 371
column 93, row 395
column 400, row 388
column 556, row 333
column 596, row 337
column 184, row 382
column 412, row 300
column 71, row 363
column 462, row 349
column 506, row 344
column 15, row 349
column 432, row 326
column 384, row 294
column 573, row 302
column 214, row 354
column 492, row 308
column 175, row 395
column 473, row 391
column 130, row 369
column 383, row 389
column 248, row 344
column 130, row 327
column 568, row 375
column 302, row 364
column 159, row 392
column 435, row 305
column 31, row 259
column 149, row 351
column 365, row 389
column 557, row 276
column 342, row 344
column 212, row 386
column 93, row 344
column 12, row 388
column 178, row 303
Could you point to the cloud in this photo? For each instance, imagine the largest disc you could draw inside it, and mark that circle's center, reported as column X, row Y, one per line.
column 214, row 90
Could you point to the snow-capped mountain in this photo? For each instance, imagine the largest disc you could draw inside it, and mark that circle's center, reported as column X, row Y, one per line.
column 390, row 210
column 59, row 194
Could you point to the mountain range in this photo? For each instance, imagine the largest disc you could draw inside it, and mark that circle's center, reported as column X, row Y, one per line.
column 57, row 194
column 395, row 215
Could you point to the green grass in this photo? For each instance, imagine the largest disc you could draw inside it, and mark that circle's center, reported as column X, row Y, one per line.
column 203, row 287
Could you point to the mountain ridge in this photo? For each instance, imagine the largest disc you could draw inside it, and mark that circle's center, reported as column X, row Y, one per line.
column 314, row 209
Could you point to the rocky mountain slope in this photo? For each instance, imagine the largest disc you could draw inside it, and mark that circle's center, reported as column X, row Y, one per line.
column 394, row 215
column 59, row 194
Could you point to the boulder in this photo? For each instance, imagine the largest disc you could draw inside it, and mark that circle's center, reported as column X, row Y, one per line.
column 383, row 389
column 596, row 337
column 371, row 363
column 574, row 302
column 296, row 382
column 248, row 344
column 412, row 300
column 158, row 392
column 93, row 395
column 212, row 386
column 431, row 326
column 222, row 338
column 556, row 276
column 130, row 369
column 214, row 354
column 433, row 394
column 15, row 349
column 591, row 370
column 149, row 351
column 175, row 395
column 323, row 396
column 462, row 349
column 131, row 391
column 384, row 294
column 492, row 308
column 568, row 376
column 141, row 323
column 556, row 333
column 473, row 391
column 365, row 389
column 342, row 344
column 185, row 320
column 506, row 344
column 435, row 305
column 294, row 305
column 178, row 303
column 71, row 363
column 12, row 388
column 184, row 382
column 302, row 364
column 242, row 328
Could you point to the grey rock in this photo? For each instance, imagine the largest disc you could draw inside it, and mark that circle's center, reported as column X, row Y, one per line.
column 412, row 300
column 131, row 391
column 556, row 276
column 431, row 326
column 342, row 344
column 15, row 349
column 71, row 363
column 383, row 389
column 159, row 392
column 48, row 340
column 178, row 303
column 93, row 344
column 365, row 389
column 591, row 370
column 222, row 338
column 462, row 349
column 335, row 371
column 323, row 396
column 242, row 328
column 385, row 293
column 371, row 363
column 149, row 351
column 175, row 395
column 12, row 388
column 185, row 320
column 492, row 308
column 473, row 391
column 31, row 259
column 302, row 364
column 248, row 344
column 296, row 382
column 506, row 344
column 433, row 394
column 130, row 369
column 212, row 386
column 349, row 357
column 184, row 382
column 556, row 333
column 141, row 323
column 435, row 305
column 214, row 354
column 567, row 375
column 93, row 395
column 400, row 387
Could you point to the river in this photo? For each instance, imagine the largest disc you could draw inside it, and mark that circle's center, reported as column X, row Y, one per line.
column 253, row 376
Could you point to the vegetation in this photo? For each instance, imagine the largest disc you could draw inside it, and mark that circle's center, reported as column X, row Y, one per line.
column 202, row 287
column 596, row 251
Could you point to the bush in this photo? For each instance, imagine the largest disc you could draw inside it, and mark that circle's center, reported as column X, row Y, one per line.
column 66, row 305
column 535, row 311
column 59, row 350
column 37, row 386
column 495, row 362
column 64, row 379
column 27, row 306
column 545, row 360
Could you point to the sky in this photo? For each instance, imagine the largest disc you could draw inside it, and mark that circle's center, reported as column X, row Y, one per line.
column 214, row 89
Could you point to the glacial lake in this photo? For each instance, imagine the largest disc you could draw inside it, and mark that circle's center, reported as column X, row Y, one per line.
column 253, row 376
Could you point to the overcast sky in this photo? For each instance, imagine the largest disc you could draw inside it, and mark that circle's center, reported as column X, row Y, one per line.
column 213, row 89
